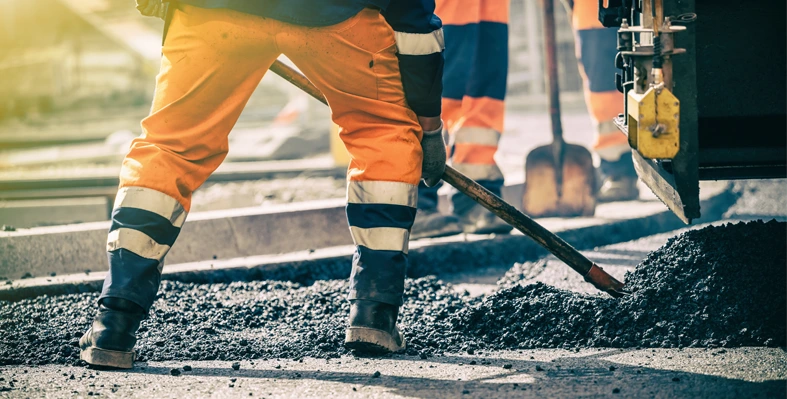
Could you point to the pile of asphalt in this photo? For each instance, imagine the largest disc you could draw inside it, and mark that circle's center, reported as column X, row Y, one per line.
column 718, row 286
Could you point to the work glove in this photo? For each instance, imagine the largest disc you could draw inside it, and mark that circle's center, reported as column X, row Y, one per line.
column 152, row 8
column 433, row 164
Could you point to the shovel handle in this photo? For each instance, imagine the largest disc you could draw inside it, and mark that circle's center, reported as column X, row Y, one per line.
column 529, row 227
column 291, row 75
column 551, row 242
column 551, row 70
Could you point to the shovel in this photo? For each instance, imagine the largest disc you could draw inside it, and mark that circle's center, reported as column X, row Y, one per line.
column 551, row 242
column 559, row 178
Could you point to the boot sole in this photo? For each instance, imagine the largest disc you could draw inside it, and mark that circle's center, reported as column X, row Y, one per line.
column 108, row 358
column 371, row 341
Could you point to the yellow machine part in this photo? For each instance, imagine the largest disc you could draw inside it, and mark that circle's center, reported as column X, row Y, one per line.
column 653, row 123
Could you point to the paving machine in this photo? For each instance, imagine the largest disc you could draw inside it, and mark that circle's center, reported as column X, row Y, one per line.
column 704, row 85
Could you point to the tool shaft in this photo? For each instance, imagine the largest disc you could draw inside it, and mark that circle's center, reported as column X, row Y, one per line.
column 519, row 220
column 291, row 75
column 551, row 242
column 551, row 70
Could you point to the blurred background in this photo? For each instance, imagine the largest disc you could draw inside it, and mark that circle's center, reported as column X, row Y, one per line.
column 77, row 76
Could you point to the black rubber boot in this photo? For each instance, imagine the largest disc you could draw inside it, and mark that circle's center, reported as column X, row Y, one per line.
column 474, row 218
column 373, row 328
column 110, row 340
column 479, row 220
column 618, row 189
column 431, row 224
column 618, row 180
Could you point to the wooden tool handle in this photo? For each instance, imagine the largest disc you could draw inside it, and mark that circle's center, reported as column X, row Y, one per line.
column 552, row 243
column 522, row 222
column 551, row 72
column 291, row 75
column 547, row 239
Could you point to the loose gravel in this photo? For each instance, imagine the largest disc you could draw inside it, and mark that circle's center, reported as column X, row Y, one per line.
column 718, row 286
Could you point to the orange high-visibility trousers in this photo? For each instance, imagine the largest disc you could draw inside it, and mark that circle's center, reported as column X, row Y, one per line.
column 212, row 61
column 474, row 83
column 596, row 49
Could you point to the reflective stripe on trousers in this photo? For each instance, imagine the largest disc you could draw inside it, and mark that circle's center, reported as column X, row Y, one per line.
column 474, row 88
column 145, row 225
column 380, row 215
column 473, row 153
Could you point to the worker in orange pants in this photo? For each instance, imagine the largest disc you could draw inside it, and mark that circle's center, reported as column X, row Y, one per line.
column 596, row 47
column 474, row 89
column 473, row 108
column 380, row 68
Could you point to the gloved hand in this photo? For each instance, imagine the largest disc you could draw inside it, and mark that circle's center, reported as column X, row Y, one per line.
column 152, row 8
column 433, row 164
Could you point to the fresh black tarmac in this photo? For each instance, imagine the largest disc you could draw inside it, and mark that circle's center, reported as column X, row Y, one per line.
column 720, row 286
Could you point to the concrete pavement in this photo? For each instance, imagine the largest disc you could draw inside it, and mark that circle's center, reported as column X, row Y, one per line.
column 631, row 373
column 625, row 373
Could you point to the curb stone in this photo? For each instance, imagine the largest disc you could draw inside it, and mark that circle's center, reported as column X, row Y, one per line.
column 625, row 222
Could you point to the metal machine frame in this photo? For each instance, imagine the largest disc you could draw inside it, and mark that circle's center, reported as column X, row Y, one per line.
column 727, row 71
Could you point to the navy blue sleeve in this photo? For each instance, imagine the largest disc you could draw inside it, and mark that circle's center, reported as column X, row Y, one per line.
column 412, row 16
column 420, row 45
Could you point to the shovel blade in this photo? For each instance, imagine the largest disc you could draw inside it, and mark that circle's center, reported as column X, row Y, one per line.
column 575, row 196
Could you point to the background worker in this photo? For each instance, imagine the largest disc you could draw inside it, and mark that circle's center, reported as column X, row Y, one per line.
column 474, row 83
column 215, row 53
column 474, row 89
column 595, row 49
